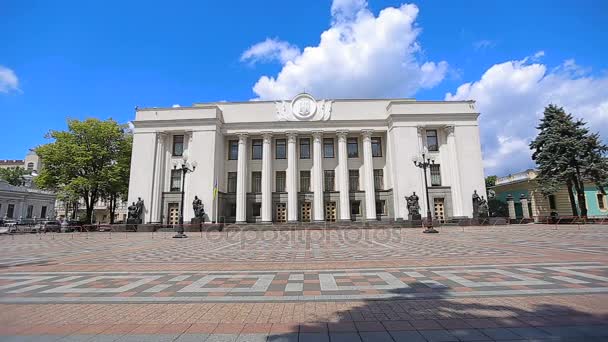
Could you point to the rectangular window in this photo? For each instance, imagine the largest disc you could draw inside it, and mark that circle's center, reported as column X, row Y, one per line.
column 43, row 212
column 329, row 180
column 435, row 175
column 380, row 207
column 355, row 208
column 232, row 209
column 378, row 179
column 352, row 145
column 231, row 182
column 601, row 201
column 233, row 150
column 256, row 209
column 376, row 147
column 256, row 182
column 304, row 148
column 256, row 149
column 328, row 148
column 176, row 180
column 280, row 181
column 30, row 211
column 280, row 149
column 178, row 145
column 431, row 140
column 304, row 181
column 10, row 211
column 552, row 204
column 353, row 180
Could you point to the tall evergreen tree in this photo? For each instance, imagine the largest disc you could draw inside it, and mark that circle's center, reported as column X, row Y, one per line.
column 567, row 154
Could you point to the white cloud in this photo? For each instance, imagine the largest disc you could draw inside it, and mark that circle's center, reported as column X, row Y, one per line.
column 8, row 80
column 511, row 97
column 360, row 55
column 270, row 49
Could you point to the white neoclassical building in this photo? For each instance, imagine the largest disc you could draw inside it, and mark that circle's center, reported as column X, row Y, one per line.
column 306, row 159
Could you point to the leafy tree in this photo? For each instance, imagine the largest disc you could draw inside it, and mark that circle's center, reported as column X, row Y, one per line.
column 490, row 181
column 13, row 175
column 83, row 159
column 117, row 176
column 566, row 153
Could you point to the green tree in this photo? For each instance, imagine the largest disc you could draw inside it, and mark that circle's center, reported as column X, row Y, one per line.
column 566, row 153
column 490, row 181
column 13, row 175
column 116, row 187
column 83, row 159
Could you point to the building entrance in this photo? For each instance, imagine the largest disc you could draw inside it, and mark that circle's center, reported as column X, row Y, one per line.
column 330, row 211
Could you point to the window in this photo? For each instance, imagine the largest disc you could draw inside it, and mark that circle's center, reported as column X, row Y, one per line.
column 435, row 175
column 10, row 211
column 601, row 201
column 353, row 180
column 552, row 204
column 352, row 146
column 305, row 148
column 176, row 180
column 376, row 147
column 431, row 140
column 43, row 212
column 178, row 145
column 280, row 181
column 256, row 209
column 232, row 209
column 328, row 148
column 355, row 208
column 380, row 210
column 329, row 180
column 378, row 179
column 30, row 211
column 256, row 182
column 280, row 149
column 231, row 182
column 305, row 181
column 30, row 166
column 233, row 150
column 256, row 149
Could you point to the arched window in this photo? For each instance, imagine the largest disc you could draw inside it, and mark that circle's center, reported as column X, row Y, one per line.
column 30, row 166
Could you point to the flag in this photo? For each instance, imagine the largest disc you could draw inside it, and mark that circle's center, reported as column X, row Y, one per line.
column 215, row 190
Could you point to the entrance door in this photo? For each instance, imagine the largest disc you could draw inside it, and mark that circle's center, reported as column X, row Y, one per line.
column 305, row 211
column 173, row 213
column 330, row 211
column 439, row 209
column 281, row 212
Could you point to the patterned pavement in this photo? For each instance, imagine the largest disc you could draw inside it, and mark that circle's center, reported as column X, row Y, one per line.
column 530, row 282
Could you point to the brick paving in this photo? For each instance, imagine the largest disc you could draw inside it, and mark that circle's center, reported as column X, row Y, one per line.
column 530, row 282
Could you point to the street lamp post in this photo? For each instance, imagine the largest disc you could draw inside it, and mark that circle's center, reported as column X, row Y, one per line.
column 185, row 167
column 425, row 163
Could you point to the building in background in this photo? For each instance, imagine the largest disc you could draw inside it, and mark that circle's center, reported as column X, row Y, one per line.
column 25, row 204
column 522, row 185
column 306, row 159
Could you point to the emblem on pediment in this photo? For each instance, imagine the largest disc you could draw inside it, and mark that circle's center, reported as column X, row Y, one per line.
column 303, row 107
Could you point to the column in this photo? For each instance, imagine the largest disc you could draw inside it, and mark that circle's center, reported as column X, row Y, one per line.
column 523, row 199
column 292, row 178
column 241, row 180
column 267, row 178
column 368, row 171
column 455, row 172
column 511, row 205
column 421, row 192
column 159, row 172
column 317, row 176
column 343, row 177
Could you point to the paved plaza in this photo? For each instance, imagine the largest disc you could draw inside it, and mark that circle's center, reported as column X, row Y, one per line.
column 527, row 282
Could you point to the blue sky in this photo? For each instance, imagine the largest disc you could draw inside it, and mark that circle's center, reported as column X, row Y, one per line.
column 83, row 59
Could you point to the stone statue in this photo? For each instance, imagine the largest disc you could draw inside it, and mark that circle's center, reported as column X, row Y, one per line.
column 198, row 207
column 132, row 211
column 140, row 207
column 475, row 204
column 135, row 210
column 413, row 207
column 483, row 208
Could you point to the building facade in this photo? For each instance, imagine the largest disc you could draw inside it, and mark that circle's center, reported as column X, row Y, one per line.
column 25, row 203
column 305, row 159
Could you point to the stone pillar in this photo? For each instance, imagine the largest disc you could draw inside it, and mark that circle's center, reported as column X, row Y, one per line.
column 241, row 181
column 317, row 176
column 511, row 205
column 292, row 178
column 523, row 199
column 368, row 173
column 159, row 178
column 422, row 192
column 455, row 173
column 343, row 177
column 267, row 178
